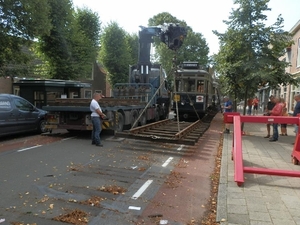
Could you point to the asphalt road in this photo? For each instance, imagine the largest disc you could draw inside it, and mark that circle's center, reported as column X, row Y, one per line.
column 44, row 179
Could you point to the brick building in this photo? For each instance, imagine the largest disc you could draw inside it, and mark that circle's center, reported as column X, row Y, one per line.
column 6, row 85
column 292, row 56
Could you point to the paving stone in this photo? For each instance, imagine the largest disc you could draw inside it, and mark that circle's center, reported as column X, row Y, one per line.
column 261, row 216
column 257, row 208
column 255, row 222
column 238, row 219
column 262, row 199
column 279, row 214
column 283, row 222
column 237, row 209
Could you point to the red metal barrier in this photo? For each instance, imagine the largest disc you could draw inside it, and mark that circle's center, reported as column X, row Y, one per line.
column 237, row 154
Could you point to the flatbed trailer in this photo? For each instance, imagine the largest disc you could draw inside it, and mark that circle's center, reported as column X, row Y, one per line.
column 74, row 114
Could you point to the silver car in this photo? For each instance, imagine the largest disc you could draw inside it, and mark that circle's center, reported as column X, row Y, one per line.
column 17, row 115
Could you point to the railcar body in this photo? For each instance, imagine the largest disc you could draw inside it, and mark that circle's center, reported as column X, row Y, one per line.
column 195, row 91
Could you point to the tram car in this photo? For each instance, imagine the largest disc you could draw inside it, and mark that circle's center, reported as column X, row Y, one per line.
column 195, row 92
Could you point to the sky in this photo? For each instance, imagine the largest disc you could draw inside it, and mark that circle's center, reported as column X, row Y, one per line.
column 201, row 16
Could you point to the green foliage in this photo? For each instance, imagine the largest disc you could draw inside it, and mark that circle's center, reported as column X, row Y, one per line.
column 72, row 45
column 194, row 46
column 133, row 47
column 89, row 24
column 116, row 53
column 57, row 45
column 20, row 22
column 250, row 51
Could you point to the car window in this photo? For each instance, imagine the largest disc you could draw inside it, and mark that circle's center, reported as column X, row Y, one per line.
column 23, row 105
column 5, row 104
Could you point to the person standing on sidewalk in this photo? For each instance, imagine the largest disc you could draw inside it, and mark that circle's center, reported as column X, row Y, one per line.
column 276, row 111
column 270, row 106
column 97, row 116
column 255, row 105
column 249, row 104
column 296, row 110
column 283, row 126
column 227, row 108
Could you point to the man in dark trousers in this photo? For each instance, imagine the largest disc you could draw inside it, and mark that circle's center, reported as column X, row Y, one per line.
column 227, row 108
column 270, row 106
column 97, row 116
column 276, row 111
column 296, row 109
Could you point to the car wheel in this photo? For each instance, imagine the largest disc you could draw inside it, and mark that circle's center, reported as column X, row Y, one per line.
column 41, row 127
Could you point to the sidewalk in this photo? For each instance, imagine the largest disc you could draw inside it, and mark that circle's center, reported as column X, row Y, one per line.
column 262, row 199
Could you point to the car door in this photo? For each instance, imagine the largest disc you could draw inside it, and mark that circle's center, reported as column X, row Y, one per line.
column 27, row 116
column 8, row 116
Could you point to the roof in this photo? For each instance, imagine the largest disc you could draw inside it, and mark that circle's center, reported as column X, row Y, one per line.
column 52, row 82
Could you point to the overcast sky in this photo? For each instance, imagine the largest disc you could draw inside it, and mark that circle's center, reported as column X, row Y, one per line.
column 202, row 16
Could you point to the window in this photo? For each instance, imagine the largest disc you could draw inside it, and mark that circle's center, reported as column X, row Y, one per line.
column 178, row 85
column 88, row 94
column 298, row 54
column 39, row 99
column 23, row 105
column 200, row 86
column 16, row 91
column 189, row 85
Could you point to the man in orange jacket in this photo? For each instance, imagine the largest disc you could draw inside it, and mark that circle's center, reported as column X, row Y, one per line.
column 276, row 111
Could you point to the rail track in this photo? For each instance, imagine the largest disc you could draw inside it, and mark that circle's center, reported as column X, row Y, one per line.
column 171, row 131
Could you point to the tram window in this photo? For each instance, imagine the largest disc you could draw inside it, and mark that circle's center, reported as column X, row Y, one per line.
column 200, row 86
column 189, row 85
column 178, row 85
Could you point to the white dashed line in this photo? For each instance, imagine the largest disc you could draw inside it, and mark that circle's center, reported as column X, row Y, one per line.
column 142, row 189
column 180, row 148
column 25, row 149
column 134, row 208
column 67, row 138
column 167, row 162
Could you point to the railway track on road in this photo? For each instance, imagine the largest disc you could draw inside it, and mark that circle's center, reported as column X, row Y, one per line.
column 171, row 131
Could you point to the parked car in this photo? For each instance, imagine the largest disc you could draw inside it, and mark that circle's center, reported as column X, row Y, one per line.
column 17, row 115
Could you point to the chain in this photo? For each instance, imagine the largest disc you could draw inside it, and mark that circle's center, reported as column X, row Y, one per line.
column 175, row 92
column 155, row 137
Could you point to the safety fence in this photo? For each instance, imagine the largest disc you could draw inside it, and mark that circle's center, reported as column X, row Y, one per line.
column 237, row 155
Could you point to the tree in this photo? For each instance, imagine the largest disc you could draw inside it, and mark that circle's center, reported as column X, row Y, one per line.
column 70, row 49
column 56, row 47
column 194, row 47
column 20, row 23
column 115, row 53
column 250, row 51
column 133, row 47
column 89, row 24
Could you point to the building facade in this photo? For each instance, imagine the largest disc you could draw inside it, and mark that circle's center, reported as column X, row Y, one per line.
column 291, row 56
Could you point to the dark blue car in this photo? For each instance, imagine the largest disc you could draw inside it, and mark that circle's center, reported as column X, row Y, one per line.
column 17, row 115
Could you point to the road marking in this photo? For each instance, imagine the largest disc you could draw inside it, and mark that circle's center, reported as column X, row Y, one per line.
column 25, row 149
column 134, row 208
column 68, row 138
column 180, row 148
column 167, row 162
column 142, row 189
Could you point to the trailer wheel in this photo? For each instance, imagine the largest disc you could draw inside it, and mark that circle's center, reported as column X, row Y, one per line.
column 120, row 122
column 165, row 114
column 143, row 119
column 156, row 116
column 134, row 116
